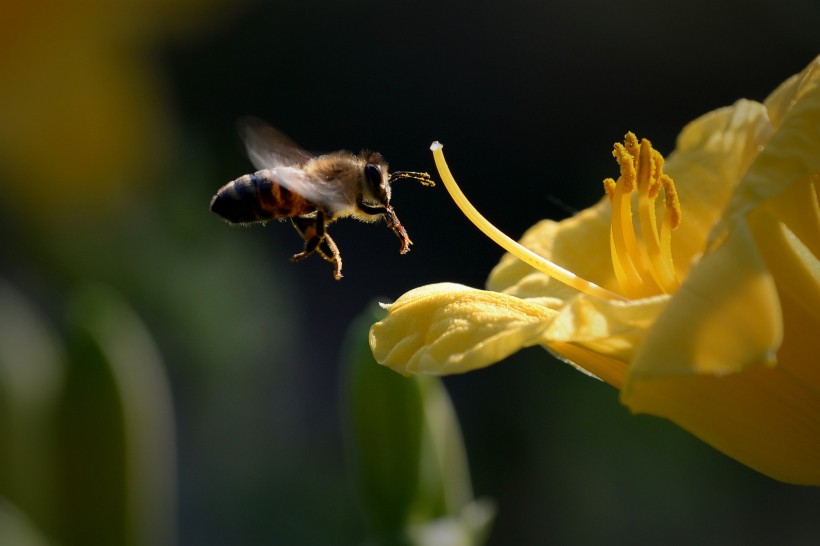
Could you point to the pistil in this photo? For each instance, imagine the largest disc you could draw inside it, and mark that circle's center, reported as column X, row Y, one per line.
column 516, row 249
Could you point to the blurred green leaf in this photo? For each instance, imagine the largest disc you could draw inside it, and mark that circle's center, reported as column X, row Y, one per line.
column 445, row 476
column 16, row 529
column 31, row 377
column 448, row 514
column 117, row 448
column 407, row 453
column 384, row 426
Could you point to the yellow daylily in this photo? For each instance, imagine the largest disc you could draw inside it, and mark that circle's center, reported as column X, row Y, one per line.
column 711, row 326
column 85, row 120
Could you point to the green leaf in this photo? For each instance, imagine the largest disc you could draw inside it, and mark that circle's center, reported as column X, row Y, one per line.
column 17, row 529
column 383, row 421
column 407, row 453
column 31, row 379
column 116, row 427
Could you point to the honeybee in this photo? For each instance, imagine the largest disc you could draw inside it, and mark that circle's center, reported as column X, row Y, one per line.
column 311, row 190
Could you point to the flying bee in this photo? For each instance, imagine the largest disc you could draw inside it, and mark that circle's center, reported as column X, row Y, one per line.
column 311, row 190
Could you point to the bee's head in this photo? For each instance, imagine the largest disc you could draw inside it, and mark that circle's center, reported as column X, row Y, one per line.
column 376, row 188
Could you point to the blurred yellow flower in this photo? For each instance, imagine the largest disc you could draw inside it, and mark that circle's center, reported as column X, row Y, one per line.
column 711, row 327
column 85, row 114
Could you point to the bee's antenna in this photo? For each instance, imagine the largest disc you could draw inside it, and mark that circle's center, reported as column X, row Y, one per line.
column 424, row 178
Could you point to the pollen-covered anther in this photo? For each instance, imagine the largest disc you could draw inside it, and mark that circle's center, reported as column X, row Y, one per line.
column 642, row 259
column 631, row 144
column 671, row 201
column 609, row 188
column 627, row 163
column 655, row 184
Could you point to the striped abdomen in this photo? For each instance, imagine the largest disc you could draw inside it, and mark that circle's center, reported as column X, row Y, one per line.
column 256, row 197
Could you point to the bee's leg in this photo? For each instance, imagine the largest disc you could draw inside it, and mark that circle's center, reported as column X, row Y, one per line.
column 325, row 250
column 392, row 222
column 328, row 248
column 398, row 229
column 313, row 231
column 307, row 229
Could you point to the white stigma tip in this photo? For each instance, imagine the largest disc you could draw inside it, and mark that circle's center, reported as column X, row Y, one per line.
column 436, row 146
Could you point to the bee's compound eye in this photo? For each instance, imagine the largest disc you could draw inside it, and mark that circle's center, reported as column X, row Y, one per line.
column 373, row 175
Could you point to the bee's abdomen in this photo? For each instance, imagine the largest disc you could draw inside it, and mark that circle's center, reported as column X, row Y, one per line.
column 257, row 197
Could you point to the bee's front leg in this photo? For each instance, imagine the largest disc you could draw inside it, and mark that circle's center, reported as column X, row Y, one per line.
column 398, row 229
column 392, row 222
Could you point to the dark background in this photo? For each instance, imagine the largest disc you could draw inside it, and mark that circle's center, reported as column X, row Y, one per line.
column 527, row 97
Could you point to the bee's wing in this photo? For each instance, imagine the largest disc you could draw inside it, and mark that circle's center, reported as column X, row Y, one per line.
column 269, row 148
column 323, row 193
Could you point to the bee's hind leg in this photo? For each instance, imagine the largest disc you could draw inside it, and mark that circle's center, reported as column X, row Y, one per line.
column 312, row 230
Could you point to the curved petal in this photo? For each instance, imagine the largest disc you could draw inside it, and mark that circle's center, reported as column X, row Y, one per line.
column 709, row 366
column 785, row 172
column 607, row 369
column 602, row 336
column 763, row 418
column 724, row 317
column 711, row 155
column 798, row 208
column 796, row 272
column 797, row 147
column 447, row 328
column 781, row 100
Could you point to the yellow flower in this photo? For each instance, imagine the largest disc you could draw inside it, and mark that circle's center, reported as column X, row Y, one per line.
column 711, row 326
column 85, row 118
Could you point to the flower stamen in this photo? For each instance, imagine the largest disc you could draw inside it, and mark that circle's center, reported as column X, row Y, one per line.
column 627, row 260
column 643, row 264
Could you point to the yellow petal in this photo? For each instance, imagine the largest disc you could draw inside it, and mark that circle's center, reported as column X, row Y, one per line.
column 796, row 272
column 798, row 207
column 607, row 369
column 725, row 317
column 710, row 157
column 764, row 419
column 708, row 365
column 786, row 170
column 602, row 336
column 449, row 328
column 781, row 100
